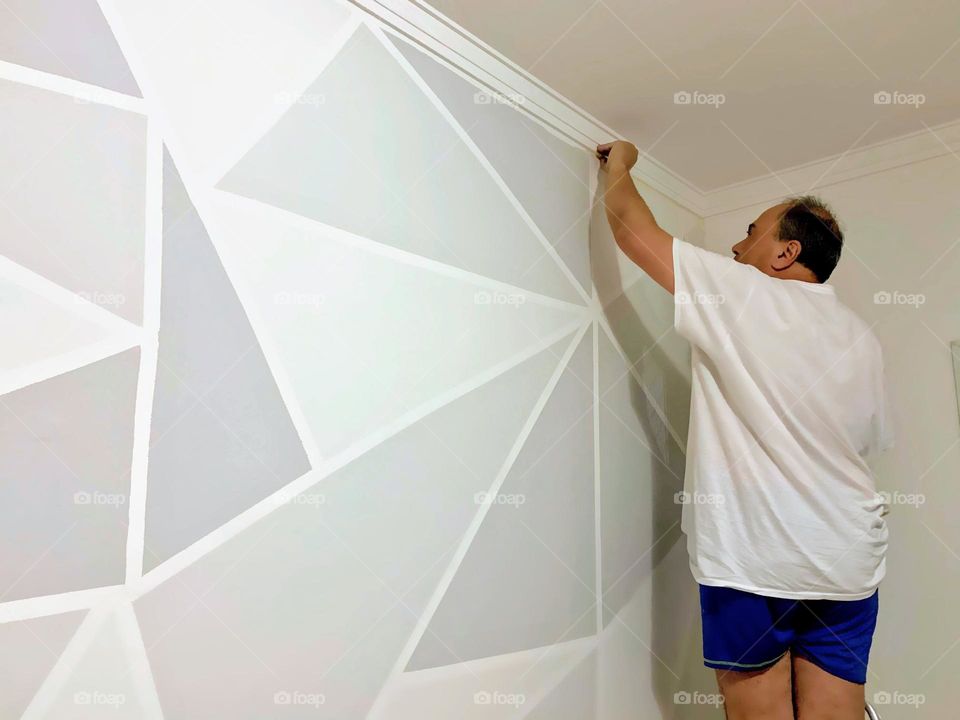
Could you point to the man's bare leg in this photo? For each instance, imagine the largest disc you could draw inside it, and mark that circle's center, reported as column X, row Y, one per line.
column 758, row 695
column 822, row 696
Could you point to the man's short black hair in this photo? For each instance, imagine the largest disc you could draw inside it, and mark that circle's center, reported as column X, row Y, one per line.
column 809, row 221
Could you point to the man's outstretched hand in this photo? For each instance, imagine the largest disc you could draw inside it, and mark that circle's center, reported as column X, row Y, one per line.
column 617, row 154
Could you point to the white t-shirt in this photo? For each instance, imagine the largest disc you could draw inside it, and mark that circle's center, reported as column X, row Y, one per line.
column 787, row 404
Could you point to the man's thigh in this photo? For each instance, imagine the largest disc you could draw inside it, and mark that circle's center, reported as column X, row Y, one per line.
column 758, row 694
column 822, row 696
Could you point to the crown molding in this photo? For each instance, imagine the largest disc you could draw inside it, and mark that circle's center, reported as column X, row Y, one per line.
column 434, row 32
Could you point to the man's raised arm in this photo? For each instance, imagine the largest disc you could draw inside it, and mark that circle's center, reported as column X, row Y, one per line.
column 634, row 227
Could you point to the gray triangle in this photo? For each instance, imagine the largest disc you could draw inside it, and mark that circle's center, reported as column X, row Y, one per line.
column 411, row 183
column 221, row 436
column 65, row 450
column 548, row 176
column 528, row 579
column 30, row 650
column 73, row 177
column 64, row 37
column 325, row 590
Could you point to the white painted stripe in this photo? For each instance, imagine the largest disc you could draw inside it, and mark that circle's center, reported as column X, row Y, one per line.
column 45, row 605
column 241, row 522
column 548, row 247
column 221, row 197
column 80, row 91
column 69, row 660
column 474, row 528
column 153, row 250
column 138, row 663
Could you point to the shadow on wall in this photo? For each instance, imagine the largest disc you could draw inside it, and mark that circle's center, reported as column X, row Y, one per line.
column 657, row 596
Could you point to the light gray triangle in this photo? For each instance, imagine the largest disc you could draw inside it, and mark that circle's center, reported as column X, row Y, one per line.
column 221, row 437
column 73, row 178
column 30, row 650
column 64, row 37
column 324, row 591
column 528, row 578
column 548, row 176
column 411, row 182
column 65, row 455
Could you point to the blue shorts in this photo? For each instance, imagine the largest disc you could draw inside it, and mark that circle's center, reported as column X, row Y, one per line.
column 743, row 631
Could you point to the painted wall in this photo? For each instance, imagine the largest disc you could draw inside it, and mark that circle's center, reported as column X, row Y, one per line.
column 899, row 271
column 330, row 394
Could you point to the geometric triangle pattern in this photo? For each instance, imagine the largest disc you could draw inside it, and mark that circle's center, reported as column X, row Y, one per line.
column 105, row 681
column 65, row 478
column 352, row 562
column 31, row 648
column 73, row 189
column 221, row 438
column 369, row 432
column 403, row 167
column 54, row 329
column 365, row 338
column 550, row 177
column 544, row 523
column 64, row 37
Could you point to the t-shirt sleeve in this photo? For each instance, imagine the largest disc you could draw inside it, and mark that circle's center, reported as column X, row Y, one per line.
column 710, row 295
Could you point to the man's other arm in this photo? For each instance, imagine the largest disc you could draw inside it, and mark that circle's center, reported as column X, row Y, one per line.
column 633, row 225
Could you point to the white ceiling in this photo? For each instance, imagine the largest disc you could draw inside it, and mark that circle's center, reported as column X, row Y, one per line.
column 798, row 76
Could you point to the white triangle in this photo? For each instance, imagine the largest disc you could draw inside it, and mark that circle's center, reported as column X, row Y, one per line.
column 217, row 66
column 30, row 649
column 411, row 183
column 305, row 612
column 365, row 337
column 109, row 678
column 51, row 330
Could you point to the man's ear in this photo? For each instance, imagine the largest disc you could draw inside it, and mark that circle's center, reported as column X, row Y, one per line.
column 787, row 254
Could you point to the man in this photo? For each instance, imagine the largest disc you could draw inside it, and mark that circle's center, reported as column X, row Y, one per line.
column 785, row 530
